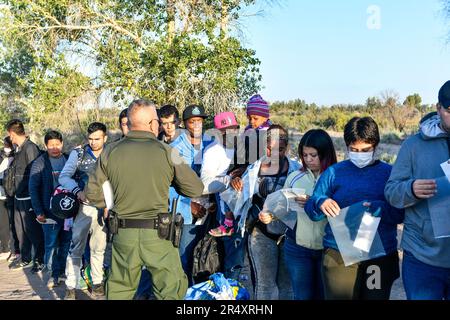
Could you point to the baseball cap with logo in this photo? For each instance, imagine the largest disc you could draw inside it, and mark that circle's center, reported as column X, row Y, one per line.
column 225, row 120
column 64, row 204
column 444, row 95
column 194, row 111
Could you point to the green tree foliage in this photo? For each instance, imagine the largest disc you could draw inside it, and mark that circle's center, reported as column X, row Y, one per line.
column 413, row 100
column 172, row 51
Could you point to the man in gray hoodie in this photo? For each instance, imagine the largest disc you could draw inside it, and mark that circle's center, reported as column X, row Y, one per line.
column 413, row 185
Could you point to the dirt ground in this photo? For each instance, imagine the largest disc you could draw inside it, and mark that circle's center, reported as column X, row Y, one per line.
column 23, row 285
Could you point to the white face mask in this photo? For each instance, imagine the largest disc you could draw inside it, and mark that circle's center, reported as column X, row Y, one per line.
column 361, row 159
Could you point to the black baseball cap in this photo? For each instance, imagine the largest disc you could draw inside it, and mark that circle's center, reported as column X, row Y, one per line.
column 444, row 95
column 194, row 111
column 64, row 205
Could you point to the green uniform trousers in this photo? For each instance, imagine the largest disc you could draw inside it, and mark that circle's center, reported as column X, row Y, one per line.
column 134, row 248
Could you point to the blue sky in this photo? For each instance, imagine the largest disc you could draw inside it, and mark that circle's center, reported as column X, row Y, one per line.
column 322, row 51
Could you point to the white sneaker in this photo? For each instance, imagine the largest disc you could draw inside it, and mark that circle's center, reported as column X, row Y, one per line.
column 62, row 279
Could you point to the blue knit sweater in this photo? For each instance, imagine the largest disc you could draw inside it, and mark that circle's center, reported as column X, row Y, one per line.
column 347, row 184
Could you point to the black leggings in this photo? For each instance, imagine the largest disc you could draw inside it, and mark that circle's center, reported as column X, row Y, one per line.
column 4, row 227
column 29, row 232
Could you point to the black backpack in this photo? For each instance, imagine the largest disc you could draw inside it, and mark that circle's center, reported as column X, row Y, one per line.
column 9, row 180
column 207, row 255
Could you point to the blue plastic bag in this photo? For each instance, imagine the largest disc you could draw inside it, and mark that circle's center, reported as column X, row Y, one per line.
column 217, row 288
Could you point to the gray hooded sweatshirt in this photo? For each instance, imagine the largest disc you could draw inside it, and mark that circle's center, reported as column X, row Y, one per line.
column 419, row 158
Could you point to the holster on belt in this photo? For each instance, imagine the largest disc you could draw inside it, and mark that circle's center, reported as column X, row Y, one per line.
column 113, row 224
column 170, row 225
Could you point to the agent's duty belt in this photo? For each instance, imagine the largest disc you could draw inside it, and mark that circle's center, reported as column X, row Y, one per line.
column 138, row 223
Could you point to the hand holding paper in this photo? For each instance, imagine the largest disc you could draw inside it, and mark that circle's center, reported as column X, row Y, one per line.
column 330, row 208
column 265, row 218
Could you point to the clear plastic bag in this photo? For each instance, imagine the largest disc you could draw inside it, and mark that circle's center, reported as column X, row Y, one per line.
column 230, row 197
column 217, row 288
column 355, row 231
column 282, row 205
column 438, row 207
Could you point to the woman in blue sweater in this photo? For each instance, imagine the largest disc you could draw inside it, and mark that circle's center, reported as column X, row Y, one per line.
column 361, row 178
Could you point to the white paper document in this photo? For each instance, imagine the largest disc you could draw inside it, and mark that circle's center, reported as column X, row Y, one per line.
column 439, row 209
column 446, row 168
column 366, row 232
column 290, row 195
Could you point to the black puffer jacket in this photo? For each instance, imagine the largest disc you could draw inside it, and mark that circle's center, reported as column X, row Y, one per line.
column 24, row 157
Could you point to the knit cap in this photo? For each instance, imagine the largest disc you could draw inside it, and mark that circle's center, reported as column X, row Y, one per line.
column 444, row 95
column 258, row 106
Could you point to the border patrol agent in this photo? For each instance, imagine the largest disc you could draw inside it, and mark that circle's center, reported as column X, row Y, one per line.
column 140, row 170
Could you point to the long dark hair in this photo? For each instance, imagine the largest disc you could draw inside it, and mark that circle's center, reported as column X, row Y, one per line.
column 321, row 141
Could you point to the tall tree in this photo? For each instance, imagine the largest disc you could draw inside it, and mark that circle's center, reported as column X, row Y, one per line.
column 172, row 51
column 397, row 113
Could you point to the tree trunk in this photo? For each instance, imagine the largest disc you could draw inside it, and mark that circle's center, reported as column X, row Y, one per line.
column 224, row 18
column 170, row 20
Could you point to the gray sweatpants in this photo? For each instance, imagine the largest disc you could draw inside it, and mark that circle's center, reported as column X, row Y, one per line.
column 271, row 276
column 88, row 220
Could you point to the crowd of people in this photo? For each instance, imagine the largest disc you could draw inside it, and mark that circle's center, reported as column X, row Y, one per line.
column 162, row 157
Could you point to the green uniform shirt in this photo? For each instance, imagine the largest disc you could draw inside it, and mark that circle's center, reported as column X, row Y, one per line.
column 141, row 169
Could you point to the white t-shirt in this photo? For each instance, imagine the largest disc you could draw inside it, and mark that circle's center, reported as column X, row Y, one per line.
column 216, row 162
column 4, row 165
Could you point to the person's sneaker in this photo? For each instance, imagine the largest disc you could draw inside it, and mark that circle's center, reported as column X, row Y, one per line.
column 19, row 265
column 62, row 278
column 52, row 282
column 70, row 294
column 82, row 285
column 37, row 267
column 98, row 290
column 13, row 257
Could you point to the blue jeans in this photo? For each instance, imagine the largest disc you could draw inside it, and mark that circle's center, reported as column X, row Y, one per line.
column 190, row 236
column 145, row 287
column 304, row 267
column 423, row 281
column 57, row 243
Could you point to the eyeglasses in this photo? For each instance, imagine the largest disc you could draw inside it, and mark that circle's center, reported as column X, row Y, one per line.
column 157, row 120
